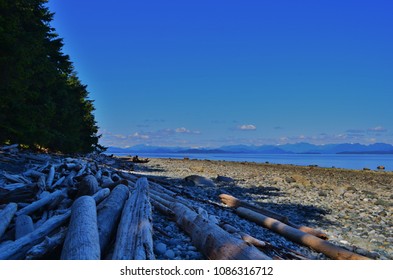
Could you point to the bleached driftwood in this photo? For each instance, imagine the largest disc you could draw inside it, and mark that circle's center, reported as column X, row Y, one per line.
column 23, row 226
column 17, row 249
column 51, row 176
column 24, row 193
column 6, row 216
column 82, row 241
column 214, row 242
column 232, row 201
column 40, row 203
column 298, row 236
column 101, row 195
column 88, row 186
column 48, row 245
column 134, row 239
column 108, row 215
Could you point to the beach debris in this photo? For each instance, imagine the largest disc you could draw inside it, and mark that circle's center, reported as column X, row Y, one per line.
column 98, row 207
column 199, row 181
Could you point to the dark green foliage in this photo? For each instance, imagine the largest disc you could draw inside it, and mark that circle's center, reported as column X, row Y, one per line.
column 42, row 101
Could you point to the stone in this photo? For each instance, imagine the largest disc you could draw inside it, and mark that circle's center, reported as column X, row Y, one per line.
column 170, row 254
column 160, row 248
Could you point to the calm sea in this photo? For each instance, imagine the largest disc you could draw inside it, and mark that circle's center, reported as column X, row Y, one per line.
column 327, row 160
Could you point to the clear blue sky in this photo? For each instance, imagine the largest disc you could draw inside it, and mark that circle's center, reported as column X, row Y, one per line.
column 212, row 73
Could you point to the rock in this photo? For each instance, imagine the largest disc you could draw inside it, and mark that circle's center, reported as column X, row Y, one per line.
column 160, row 248
column 170, row 254
column 290, row 180
column 381, row 167
column 199, row 181
column 224, row 179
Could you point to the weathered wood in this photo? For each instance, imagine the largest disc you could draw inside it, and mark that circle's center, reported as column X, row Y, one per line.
column 23, row 226
column 108, row 215
column 17, row 249
column 101, row 195
column 232, row 201
column 134, row 239
column 48, row 245
column 88, row 186
column 25, row 193
column 246, row 237
column 300, row 237
column 6, row 216
column 58, row 182
column 40, row 203
column 82, row 241
column 214, row 242
column 51, row 176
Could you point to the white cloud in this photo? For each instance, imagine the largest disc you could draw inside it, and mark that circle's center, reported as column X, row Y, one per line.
column 182, row 130
column 377, row 129
column 247, row 127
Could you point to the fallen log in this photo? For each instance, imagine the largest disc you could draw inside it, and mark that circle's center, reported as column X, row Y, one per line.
column 88, row 186
column 51, row 176
column 82, row 241
column 48, row 245
column 23, row 226
column 108, row 215
column 214, row 242
column 40, row 203
column 232, row 201
column 17, row 249
column 298, row 236
column 134, row 239
column 6, row 216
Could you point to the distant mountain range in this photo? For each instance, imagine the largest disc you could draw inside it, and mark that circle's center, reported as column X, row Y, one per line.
column 298, row 148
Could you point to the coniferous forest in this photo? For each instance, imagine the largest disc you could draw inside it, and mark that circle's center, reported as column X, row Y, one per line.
column 43, row 104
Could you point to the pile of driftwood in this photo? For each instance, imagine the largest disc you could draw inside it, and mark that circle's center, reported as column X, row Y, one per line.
column 95, row 208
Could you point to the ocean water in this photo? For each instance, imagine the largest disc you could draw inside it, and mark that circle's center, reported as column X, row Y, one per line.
column 346, row 161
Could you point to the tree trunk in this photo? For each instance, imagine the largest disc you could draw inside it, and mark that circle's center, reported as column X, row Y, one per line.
column 232, row 201
column 298, row 236
column 134, row 239
column 6, row 216
column 108, row 215
column 82, row 241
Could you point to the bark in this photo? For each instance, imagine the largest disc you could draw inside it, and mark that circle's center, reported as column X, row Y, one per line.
column 298, row 236
column 82, row 241
column 134, row 239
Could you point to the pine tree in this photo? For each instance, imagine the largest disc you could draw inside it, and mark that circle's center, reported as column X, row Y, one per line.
column 42, row 101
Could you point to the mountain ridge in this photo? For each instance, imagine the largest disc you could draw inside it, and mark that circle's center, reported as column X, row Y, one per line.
column 297, row 148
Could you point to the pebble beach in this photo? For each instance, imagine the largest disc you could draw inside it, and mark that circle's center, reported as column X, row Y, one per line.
column 354, row 208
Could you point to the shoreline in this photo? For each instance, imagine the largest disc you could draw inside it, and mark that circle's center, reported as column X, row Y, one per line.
column 354, row 207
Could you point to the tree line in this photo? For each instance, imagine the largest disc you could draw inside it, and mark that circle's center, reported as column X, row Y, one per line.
column 43, row 104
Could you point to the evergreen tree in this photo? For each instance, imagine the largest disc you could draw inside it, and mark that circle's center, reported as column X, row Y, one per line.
column 42, row 101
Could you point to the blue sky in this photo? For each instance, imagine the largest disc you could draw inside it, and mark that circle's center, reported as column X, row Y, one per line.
column 212, row 73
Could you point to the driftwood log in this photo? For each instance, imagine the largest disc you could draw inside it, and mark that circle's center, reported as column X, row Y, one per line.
column 134, row 239
column 6, row 216
column 300, row 237
column 48, row 245
column 88, row 186
column 23, row 226
column 214, row 242
column 82, row 241
column 210, row 239
column 17, row 249
column 40, row 203
column 232, row 201
column 108, row 215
